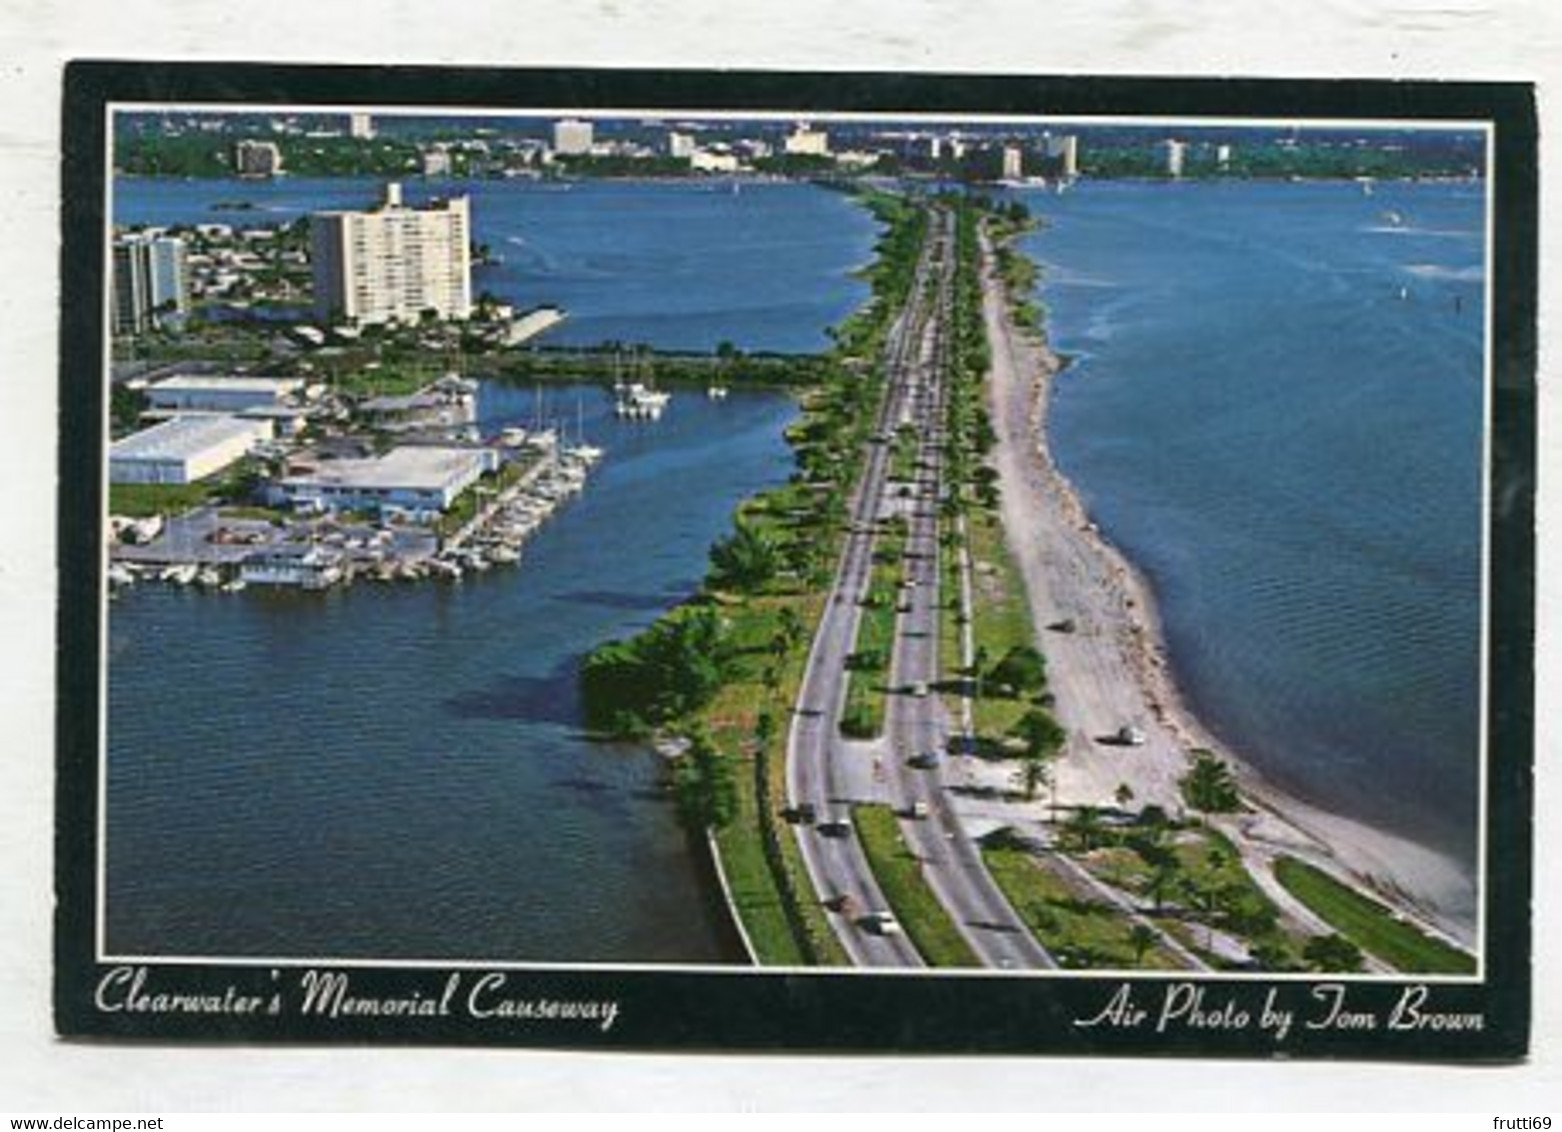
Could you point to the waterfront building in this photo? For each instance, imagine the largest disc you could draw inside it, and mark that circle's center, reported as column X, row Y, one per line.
column 360, row 126
column 436, row 162
column 806, row 142
column 1064, row 149
column 150, row 280
column 1013, row 163
column 713, row 161
column 257, row 159
column 307, row 567
column 572, row 137
column 184, row 449
column 200, row 393
column 1176, row 156
column 1223, row 156
column 680, row 146
column 420, row 481
column 393, row 262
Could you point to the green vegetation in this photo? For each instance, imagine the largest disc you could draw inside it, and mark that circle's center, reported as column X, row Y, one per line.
column 1079, row 930
column 869, row 664
column 1368, row 924
column 1190, row 878
column 125, row 408
column 899, row 873
column 766, row 589
column 1007, row 681
column 746, row 560
column 203, row 155
column 673, row 668
column 464, row 508
column 235, row 485
column 728, row 366
column 705, row 784
column 1304, row 159
column 141, row 500
column 1208, row 786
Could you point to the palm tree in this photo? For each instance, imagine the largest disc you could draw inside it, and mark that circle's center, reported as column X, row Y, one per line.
column 979, row 661
column 1033, row 774
column 1164, row 880
column 1209, row 787
column 1084, row 826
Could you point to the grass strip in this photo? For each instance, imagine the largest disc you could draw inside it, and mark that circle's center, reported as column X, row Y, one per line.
column 1079, row 931
column 899, row 873
column 1368, row 924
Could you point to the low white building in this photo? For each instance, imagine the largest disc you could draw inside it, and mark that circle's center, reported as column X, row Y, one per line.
column 713, row 161
column 184, row 449
column 418, row 480
column 199, row 393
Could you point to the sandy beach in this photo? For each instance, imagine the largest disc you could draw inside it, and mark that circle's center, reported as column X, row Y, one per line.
column 1111, row 670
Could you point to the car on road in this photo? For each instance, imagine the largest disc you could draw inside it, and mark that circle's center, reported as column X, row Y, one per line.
column 835, row 827
column 919, row 689
column 1130, row 736
column 880, row 923
column 917, row 810
column 923, row 760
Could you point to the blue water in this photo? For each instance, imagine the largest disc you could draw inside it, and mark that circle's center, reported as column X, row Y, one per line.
column 679, row 265
column 1275, row 408
column 398, row 772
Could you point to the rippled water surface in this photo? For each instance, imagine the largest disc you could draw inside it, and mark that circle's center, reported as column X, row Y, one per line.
column 1275, row 409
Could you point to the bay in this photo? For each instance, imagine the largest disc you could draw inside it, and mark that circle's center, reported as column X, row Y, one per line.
column 677, row 265
column 1274, row 407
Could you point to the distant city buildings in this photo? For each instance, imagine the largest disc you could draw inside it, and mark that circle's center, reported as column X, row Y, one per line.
column 436, row 162
column 1223, row 156
column 1013, row 163
column 1064, row 149
column 257, row 159
column 393, row 262
column 680, row 146
column 150, row 281
column 807, row 142
column 572, row 137
column 714, row 161
column 1176, row 153
column 360, row 126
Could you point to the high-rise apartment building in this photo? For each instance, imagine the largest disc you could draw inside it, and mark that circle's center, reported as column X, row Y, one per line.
column 1013, row 163
column 360, row 126
column 572, row 137
column 1064, row 148
column 807, row 142
column 150, row 281
column 393, row 262
column 1176, row 156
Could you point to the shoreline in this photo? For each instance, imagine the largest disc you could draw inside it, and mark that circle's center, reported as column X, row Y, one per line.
column 1117, row 670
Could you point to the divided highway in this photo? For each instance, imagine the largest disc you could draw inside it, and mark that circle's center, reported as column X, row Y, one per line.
column 828, row 773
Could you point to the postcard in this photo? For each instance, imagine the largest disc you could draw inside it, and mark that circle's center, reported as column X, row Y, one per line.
column 796, row 562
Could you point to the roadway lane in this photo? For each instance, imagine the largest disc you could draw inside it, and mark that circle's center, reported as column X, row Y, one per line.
column 836, row 863
column 918, row 724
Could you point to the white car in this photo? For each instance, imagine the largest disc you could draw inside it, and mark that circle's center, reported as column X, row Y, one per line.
column 881, row 923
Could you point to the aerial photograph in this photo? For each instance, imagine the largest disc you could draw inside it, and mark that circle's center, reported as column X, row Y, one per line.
column 747, row 541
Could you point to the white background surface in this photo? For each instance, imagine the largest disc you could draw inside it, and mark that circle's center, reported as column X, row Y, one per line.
column 1463, row 39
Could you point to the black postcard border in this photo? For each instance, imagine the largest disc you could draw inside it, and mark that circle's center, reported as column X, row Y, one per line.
column 763, row 1011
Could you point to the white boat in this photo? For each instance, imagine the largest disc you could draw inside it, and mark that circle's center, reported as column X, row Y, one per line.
column 638, row 401
column 716, row 392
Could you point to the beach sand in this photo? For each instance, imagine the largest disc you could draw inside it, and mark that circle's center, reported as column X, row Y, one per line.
column 1111, row 671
